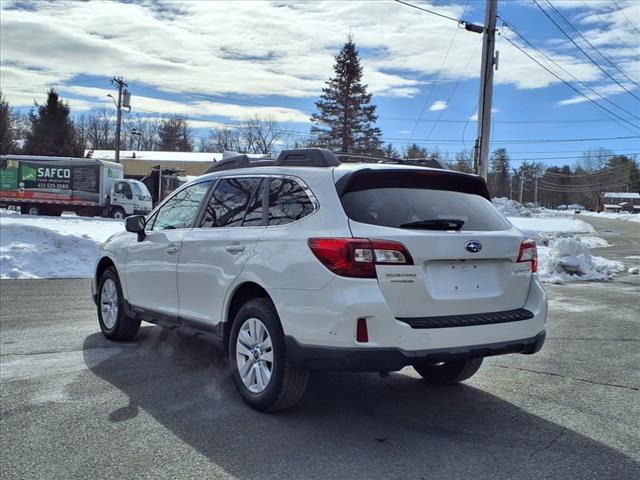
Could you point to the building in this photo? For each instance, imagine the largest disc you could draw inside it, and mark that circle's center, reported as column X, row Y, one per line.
column 621, row 202
column 138, row 164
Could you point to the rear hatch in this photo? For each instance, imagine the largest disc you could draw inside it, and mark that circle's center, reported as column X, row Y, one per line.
column 464, row 251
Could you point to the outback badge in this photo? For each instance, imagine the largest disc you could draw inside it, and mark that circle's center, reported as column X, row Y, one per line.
column 473, row 246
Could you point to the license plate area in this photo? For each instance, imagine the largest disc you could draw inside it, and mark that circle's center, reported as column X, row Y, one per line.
column 462, row 279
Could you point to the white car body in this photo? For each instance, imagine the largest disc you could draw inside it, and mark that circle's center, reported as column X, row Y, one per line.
column 191, row 277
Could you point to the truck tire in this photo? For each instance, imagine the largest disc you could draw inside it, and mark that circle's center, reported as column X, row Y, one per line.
column 30, row 209
column 448, row 373
column 114, row 322
column 117, row 213
column 261, row 370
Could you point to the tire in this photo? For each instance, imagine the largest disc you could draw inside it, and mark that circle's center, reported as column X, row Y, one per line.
column 285, row 385
column 117, row 213
column 51, row 212
column 30, row 210
column 448, row 373
column 114, row 323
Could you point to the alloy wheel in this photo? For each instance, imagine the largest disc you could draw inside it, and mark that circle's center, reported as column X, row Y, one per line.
column 254, row 355
column 109, row 303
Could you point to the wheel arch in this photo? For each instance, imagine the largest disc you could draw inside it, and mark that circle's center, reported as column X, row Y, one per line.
column 104, row 263
column 242, row 293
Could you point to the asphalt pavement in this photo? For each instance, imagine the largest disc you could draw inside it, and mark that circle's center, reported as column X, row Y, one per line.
column 74, row 405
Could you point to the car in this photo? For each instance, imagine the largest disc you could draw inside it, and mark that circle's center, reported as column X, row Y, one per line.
column 305, row 263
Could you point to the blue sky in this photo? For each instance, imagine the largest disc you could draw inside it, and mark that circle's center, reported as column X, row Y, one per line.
column 221, row 62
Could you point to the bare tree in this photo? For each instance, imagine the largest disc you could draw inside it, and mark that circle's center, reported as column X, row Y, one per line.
column 258, row 135
column 261, row 134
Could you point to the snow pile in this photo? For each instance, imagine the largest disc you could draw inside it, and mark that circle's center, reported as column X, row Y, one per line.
column 562, row 224
column 51, row 247
column 510, row 208
column 569, row 259
column 628, row 217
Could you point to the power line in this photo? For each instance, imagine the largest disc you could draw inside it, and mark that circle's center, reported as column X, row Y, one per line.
column 591, row 45
column 585, row 53
column 621, row 10
column 593, row 102
column 612, row 30
column 455, row 87
column 585, row 85
column 435, row 81
column 429, row 11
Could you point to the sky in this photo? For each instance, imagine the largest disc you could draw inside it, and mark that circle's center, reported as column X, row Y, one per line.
column 222, row 62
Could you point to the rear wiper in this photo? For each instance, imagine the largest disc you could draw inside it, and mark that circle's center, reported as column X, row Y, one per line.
column 436, row 224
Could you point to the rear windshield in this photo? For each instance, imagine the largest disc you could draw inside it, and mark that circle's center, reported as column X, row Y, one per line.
column 392, row 207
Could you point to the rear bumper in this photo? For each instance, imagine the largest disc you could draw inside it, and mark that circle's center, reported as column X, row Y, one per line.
column 393, row 359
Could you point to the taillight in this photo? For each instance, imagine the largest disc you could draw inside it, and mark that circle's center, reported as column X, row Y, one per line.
column 357, row 257
column 529, row 253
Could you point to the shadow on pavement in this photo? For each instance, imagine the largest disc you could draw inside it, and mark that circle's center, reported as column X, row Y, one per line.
column 347, row 426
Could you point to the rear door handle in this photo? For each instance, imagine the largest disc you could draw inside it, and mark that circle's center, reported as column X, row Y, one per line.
column 171, row 249
column 234, row 248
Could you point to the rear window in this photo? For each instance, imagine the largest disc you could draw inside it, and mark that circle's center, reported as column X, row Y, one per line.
column 392, row 207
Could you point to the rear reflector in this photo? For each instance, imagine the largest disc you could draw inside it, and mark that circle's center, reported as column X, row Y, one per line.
column 357, row 257
column 362, row 335
column 529, row 253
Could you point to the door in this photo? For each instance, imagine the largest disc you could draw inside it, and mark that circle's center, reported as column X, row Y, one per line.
column 214, row 254
column 151, row 265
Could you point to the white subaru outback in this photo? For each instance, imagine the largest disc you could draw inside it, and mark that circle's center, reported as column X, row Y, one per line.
column 303, row 263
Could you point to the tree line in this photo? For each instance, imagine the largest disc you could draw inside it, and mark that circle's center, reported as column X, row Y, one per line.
column 344, row 122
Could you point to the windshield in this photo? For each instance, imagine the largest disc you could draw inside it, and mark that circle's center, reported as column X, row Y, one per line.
column 407, row 207
column 140, row 189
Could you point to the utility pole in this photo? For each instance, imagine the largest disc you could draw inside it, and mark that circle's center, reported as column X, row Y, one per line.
column 521, row 185
column 489, row 59
column 119, row 104
column 535, row 194
column 510, row 187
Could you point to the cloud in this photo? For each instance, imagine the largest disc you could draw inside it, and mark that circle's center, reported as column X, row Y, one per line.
column 437, row 106
column 271, row 48
column 156, row 106
column 474, row 117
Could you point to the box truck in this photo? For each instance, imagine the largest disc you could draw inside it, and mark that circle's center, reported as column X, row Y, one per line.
column 39, row 185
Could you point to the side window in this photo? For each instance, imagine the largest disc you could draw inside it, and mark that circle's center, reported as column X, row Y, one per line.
column 233, row 201
column 288, row 201
column 126, row 190
column 118, row 188
column 181, row 209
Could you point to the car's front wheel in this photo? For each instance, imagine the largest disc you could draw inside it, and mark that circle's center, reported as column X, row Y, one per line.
column 261, row 370
column 115, row 325
column 447, row 373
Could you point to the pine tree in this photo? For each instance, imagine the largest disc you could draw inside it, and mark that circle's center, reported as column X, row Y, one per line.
column 416, row 151
column 175, row 135
column 390, row 151
column 345, row 120
column 462, row 163
column 498, row 181
column 52, row 130
column 7, row 142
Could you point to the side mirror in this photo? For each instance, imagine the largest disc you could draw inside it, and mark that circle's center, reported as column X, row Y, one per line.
column 136, row 224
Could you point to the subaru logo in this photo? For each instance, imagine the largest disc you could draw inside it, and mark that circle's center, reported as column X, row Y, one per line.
column 473, row 246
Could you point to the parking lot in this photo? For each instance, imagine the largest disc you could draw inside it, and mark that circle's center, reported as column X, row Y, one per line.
column 75, row 405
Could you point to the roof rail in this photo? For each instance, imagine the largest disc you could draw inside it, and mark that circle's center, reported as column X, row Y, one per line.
column 307, row 157
column 300, row 157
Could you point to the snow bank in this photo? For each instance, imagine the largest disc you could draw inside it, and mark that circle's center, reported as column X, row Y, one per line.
column 563, row 243
column 510, row 208
column 51, row 247
column 569, row 259
column 627, row 217
column 551, row 224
